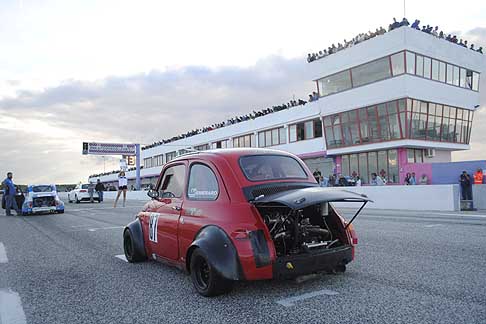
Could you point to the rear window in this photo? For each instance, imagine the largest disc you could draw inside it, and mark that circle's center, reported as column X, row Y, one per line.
column 42, row 188
column 271, row 167
column 85, row 186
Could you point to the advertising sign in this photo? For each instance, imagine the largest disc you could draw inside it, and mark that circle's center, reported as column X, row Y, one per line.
column 109, row 148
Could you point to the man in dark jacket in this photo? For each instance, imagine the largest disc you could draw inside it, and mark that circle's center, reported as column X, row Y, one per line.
column 466, row 186
column 100, row 187
column 9, row 195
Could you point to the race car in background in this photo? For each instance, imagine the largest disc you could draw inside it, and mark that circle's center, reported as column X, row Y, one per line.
column 81, row 193
column 42, row 199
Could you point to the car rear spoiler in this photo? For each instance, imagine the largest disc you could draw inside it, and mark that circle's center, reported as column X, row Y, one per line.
column 304, row 197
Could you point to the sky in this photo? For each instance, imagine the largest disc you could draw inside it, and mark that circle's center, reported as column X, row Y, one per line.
column 140, row 71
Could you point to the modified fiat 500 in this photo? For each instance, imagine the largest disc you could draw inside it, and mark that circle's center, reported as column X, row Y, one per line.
column 242, row 214
column 42, row 199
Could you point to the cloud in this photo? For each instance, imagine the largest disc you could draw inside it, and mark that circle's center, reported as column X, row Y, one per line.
column 42, row 131
column 46, row 128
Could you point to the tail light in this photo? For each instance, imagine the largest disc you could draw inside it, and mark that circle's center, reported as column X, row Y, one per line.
column 30, row 204
column 352, row 234
column 83, row 190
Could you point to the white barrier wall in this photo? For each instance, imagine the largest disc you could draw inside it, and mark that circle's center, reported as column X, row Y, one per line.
column 432, row 198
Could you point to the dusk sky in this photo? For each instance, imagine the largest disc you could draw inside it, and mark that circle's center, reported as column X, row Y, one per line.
column 140, row 71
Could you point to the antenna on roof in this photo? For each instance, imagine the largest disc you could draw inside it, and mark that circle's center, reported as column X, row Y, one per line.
column 404, row 8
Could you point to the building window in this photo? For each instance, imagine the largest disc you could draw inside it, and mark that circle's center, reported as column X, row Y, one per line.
column 220, row 144
column 371, row 72
column 398, row 63
column 271, row 137
column 244, row 141
column 158, row 160
column 202, row 147
column 415, row 156
column 398, row 119
column 384, row 163
column 147, row 163
column 335, row 83
column 305, row 130
column 170, row 156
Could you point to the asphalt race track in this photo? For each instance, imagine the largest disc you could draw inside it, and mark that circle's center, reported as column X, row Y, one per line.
column 410, row 268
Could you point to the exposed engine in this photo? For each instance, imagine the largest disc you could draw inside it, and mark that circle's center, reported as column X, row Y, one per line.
column 297, row 231
column 44, row 202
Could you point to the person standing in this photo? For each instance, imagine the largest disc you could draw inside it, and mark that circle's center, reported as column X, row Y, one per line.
column 122, row 187
column 100, row 187
column 9, row 194
column 407, row 179
column 317, row 174
column 91, row 189
column 424, row 180
column 358, row 181
column 466, row 186
column 413, row 180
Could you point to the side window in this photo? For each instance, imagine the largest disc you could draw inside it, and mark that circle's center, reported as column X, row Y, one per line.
column 173, row 182
column 203, row 184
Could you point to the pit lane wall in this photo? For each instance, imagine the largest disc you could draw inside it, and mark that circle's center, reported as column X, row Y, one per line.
column 430, row 197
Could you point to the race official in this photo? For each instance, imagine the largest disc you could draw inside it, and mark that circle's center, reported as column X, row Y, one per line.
column 122, row 187
column 100, row 187
column 9, row 195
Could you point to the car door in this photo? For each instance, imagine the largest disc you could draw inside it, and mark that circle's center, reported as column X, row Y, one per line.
column 163, row 220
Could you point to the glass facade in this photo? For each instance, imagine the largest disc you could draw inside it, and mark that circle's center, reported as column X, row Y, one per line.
column 397, row 64
column 170, row 156
column 384, row 163
column 398, row 119
column 202, row 147
column 220, row 144
column 272, row 137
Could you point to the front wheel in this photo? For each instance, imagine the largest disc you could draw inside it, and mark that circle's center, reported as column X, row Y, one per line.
column 131, row 253
column 207, row 281
column 76, row 199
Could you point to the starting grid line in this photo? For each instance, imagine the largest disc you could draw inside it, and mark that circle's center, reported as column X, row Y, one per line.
column 289, row 302
column 3, row 254
column 11, row 310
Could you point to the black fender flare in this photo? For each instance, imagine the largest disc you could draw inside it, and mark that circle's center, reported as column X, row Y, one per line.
column 135, row 228
column 220, row 250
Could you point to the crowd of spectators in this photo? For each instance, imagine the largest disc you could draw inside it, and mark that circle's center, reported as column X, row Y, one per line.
column 440, row 34
column 394, row 25
column 361, row 37
column 235, row 120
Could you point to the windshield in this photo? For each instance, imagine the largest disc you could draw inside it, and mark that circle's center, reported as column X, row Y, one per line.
column 271, row 167
column 46, row 188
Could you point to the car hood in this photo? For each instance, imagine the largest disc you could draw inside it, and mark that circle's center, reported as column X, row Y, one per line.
column 301, row 198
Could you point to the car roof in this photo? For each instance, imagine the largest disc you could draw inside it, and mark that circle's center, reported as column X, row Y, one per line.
column 230, row 153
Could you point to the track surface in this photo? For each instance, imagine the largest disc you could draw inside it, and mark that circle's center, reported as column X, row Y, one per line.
column 410, row 267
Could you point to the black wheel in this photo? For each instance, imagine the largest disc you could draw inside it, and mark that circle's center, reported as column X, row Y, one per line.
column 131, row 253
column 69, row 199
column 60, row 211
column 76, row 199
column 341, row 268
column 204, row 278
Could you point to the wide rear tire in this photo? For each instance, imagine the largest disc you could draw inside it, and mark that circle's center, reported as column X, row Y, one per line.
column 206, row 280
column 131, row 253
column 76, row 200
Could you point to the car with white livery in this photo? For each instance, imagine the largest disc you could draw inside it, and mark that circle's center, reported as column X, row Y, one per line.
column 42, row 198
column 81, row 193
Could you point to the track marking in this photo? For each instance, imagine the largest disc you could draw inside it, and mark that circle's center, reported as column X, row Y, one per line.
column 11, row 310
column 289, row 302
column 104, row 228
column 434, row 225
column 121, row 257
column 3, row 254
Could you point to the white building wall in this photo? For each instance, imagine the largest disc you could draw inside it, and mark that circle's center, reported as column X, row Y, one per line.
column 392, row 42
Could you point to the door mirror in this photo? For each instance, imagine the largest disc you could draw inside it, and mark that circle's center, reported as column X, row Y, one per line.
column 153, row 193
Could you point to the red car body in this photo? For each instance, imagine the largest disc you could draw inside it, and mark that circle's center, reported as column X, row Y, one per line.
column 248, row 224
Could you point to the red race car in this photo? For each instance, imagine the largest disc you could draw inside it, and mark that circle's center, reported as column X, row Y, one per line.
column 242, row 214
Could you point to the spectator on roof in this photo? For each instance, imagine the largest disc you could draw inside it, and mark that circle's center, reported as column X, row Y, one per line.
column 415, row 24
column 404, row 22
